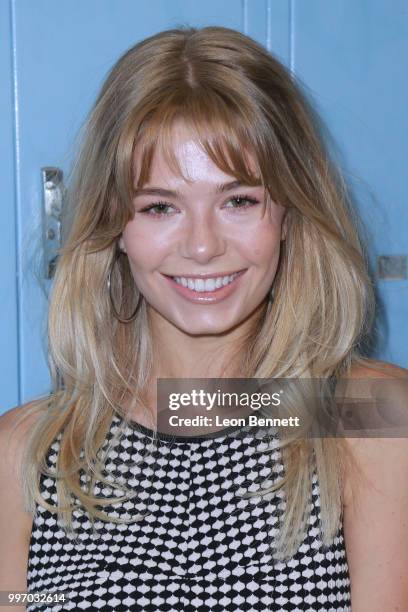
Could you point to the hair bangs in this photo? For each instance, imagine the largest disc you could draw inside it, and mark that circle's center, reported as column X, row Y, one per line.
column 223, row 133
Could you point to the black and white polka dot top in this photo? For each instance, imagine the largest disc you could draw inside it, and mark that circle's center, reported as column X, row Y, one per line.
column 199, row 545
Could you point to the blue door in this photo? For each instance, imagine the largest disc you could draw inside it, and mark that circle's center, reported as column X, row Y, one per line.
column 350, row 56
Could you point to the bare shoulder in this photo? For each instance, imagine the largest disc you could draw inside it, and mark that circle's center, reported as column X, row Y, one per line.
column 378, row 393
column 372, row 368
column 15, row 425
column 15, row 520
column 386, row 385
column 376, row 499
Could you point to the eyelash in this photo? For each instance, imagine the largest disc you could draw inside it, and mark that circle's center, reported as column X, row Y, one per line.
column 252, row 202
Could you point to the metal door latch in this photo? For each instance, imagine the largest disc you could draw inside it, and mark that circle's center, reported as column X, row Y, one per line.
column 53, row 198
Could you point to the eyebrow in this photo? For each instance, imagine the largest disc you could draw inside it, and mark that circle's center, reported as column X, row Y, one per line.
column 168, row 193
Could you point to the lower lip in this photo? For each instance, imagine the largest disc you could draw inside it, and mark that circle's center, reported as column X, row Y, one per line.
column 207, row 297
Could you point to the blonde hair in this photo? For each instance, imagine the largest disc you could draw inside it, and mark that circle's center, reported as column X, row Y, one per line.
column 236, row 97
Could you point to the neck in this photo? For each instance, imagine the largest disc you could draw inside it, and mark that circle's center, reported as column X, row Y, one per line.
column 177, row 354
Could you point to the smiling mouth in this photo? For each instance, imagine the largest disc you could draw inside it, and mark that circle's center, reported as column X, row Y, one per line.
column 204, row 276
column 206, row 286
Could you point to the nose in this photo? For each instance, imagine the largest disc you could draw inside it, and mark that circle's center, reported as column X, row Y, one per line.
column 203, row 238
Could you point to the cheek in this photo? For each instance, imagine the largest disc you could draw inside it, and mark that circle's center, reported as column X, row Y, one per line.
column 143, row 249
column 264, row 244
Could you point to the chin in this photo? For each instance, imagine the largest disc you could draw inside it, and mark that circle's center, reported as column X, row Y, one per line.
column 206, row 329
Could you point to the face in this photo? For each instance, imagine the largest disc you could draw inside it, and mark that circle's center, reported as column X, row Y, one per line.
column 203, row 252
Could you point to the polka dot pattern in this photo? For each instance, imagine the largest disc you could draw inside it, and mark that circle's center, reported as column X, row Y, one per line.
column 199, row 545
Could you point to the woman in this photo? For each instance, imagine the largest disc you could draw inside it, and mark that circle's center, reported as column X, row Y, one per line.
column 201, row 161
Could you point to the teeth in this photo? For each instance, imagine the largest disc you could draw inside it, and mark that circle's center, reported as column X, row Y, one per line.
column 208, row 284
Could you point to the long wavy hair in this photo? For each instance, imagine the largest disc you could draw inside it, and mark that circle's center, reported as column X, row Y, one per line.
column 236, row 97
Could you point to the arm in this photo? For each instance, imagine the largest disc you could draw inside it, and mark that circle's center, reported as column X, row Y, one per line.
column 15, row 522
column 376, row 523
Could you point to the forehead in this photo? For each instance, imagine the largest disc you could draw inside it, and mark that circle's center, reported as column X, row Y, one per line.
column 182, row 157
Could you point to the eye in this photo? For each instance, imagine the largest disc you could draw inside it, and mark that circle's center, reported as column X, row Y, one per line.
column 243, row 202
column 158, row 205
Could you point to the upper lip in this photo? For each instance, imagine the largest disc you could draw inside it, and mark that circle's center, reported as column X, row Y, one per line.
column 218, row 274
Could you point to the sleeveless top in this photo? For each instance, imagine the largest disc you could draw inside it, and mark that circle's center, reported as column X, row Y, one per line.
column 199, row 545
